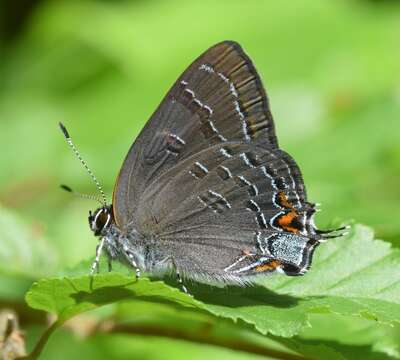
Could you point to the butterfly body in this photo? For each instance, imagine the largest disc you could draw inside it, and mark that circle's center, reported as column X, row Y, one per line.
column 271, row 252
column 205, row 191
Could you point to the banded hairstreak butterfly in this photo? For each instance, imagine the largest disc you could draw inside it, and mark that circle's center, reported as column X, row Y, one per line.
column 205, row 191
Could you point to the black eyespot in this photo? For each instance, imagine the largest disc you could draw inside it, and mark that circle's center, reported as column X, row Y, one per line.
column 291, row 270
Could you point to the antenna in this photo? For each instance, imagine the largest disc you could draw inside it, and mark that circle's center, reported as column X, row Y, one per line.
column 83, row 196
column 78, row 155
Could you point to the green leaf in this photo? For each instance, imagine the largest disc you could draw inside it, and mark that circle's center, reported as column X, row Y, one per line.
column 71, row 296
column 353, row 276
column 65, row 346
column 347, row 334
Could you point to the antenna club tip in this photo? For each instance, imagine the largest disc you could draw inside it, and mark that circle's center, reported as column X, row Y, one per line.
column 64, row 130
column 66, row 188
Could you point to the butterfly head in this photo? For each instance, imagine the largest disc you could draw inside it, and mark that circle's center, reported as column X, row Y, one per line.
column 101, row 220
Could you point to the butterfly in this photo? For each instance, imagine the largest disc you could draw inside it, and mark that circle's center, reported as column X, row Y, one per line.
column 205, row 191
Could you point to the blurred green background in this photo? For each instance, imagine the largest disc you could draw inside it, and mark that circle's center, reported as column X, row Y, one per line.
column 331, row 69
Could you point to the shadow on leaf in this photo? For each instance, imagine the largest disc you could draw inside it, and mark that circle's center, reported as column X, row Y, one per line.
column 102, row 296
column 350, row 352
column 236, row 296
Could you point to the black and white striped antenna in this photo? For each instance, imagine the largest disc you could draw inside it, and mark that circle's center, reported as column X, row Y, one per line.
column 103, row 199
column 80, row 195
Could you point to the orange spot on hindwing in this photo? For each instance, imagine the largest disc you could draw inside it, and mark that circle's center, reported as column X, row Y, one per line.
column 283, row 200
column 290, row 221
column 269, row 266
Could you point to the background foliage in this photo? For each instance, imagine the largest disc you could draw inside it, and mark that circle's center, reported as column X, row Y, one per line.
column 331, row 70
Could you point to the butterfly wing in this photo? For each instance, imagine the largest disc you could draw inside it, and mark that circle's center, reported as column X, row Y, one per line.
column 206, row 177
column 218, row 99
column 242, row 183
column 216, row 253
column 231, row 211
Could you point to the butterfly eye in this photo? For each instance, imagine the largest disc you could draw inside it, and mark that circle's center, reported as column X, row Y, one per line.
column 100, row 220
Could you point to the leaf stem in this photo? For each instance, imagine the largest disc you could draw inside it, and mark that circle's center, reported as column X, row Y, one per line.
column 37, row 350
column 149, row 330
column 200, row 338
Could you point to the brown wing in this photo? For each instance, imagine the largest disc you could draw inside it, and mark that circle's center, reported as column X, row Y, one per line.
column 218, row 99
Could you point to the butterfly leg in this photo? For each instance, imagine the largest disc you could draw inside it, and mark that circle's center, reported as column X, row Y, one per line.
column 137, row 273
column 179, row 278
column 182, row 285
column 169, row 263
column 96, row 262
column 132, row 261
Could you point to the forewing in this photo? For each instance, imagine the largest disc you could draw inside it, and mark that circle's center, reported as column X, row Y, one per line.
column 217, row 100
